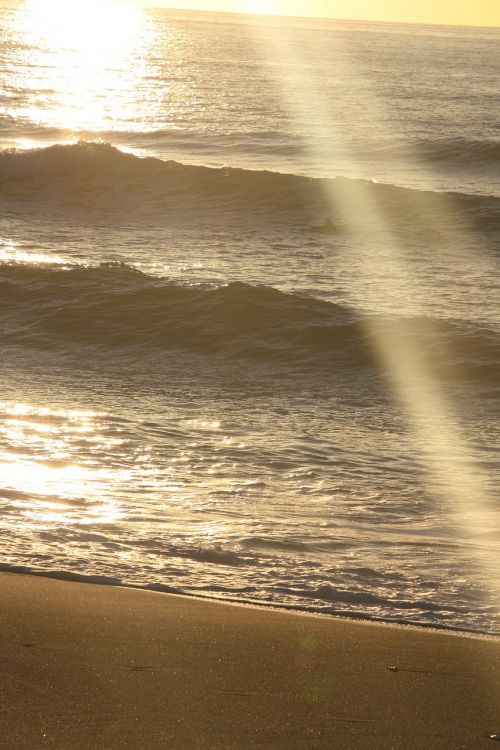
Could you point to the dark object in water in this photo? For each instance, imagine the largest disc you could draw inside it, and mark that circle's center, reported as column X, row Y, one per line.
column 327, row 228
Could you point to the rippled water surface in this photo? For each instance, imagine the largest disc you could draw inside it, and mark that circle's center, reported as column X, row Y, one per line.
column 249, row 309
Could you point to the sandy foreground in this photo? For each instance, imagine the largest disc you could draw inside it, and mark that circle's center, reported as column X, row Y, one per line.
column 87, row 667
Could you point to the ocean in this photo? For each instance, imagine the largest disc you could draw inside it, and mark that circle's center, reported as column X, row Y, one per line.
column 250, row 331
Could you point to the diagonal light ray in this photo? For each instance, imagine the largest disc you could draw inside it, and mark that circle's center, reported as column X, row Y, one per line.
column 452, row 466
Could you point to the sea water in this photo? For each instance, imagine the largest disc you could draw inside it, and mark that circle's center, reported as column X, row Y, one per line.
column 249, row 309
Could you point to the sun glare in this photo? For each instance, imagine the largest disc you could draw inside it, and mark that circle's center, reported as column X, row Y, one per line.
column 78, row 54
column 40, row 465
column 105, row 27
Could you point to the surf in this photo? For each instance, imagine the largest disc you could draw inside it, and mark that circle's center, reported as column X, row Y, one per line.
column 97, row 179
column 115, row 307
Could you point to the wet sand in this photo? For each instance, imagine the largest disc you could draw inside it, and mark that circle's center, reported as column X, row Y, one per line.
column 87, row 667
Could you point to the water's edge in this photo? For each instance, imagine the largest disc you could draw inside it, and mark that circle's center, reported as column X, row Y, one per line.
column 164, row 589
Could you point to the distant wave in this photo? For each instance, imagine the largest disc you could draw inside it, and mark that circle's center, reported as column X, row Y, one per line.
column 115, row 308
column 466, row 152
column 97, row 178
column 456, row 152
column 462, row 153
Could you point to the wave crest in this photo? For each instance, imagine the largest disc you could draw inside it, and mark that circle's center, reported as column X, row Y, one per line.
column 116, row 308
column 98, row 178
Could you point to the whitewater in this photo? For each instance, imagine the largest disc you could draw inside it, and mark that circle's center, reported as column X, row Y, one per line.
column 225, row 243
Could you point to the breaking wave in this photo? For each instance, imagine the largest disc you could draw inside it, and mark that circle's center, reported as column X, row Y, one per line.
column 116, row 308
column 457, row 152
column 97, row 177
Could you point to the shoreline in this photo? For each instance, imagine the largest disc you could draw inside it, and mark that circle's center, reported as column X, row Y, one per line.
column 350, row 616
column 110, row 667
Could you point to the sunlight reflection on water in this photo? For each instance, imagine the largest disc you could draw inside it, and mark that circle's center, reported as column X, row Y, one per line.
column 78, row 56
column 11, row 252
column 38, row 463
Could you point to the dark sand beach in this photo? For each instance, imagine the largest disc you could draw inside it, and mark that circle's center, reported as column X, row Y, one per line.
column 97, row 667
